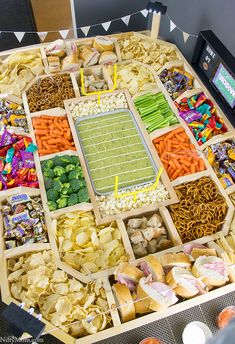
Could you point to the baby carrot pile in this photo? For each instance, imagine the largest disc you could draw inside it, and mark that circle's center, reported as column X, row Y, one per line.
column 52, row 134
column 177, row 154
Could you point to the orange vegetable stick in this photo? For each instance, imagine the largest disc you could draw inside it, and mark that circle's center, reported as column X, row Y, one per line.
column 177, row 164
column 192, row 168
column 65, row 123
column 201, row 165
column 157, row 139
column 175, row 174
column 179, row 138
column 40, row 132
column 185, row 162
column 172, row 133
column 171, row 163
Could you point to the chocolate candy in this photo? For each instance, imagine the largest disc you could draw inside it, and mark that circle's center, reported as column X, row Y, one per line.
column 221, row 158
column 200, row 115
column 12, row 115
column 23, row 220
column 176, row 81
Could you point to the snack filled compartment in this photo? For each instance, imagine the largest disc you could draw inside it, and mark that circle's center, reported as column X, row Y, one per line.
column 203, row 209
column 136, row 46
column 18, row 157
column 178, row 155
column 61, row 56
column 63, row 184
column 135, row 76
column 155, row 283
column 35, row 279
column 52, row 133
column 152, row 232
column 221, row 156
column 201, row 116
column 23, row 221
column 91, row 250
column 119, row 151
column 18, row 69
column 154, row 110
column 94, row 79
column 46, row 92
column 102, row 50
column 176, row 78
column 12, row 114
column 80, row 107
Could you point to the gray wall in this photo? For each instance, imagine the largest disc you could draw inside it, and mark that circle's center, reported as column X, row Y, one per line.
column 191, row 16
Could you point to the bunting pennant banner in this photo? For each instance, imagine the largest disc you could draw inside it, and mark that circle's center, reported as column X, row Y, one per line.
column 64, row 33
column 145, row 12
column 126, row 20
column 85, row 30
column 172, row 25
column 185, row 36
column 106, row 25
column 42, row 35
column 19, row 35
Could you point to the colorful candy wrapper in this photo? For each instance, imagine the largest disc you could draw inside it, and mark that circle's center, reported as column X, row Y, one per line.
column 226, row 181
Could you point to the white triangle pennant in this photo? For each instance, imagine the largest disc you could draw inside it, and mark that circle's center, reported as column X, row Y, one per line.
column 64, row 33
column 185, row 36
column 126, row 20
column 42, row 35
column 85, row 29
column 145, row 12
column 172, row 25
column 106, row 25
column 19, row 35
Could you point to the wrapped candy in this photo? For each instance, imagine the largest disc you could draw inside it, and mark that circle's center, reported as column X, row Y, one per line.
column 200, row 115
column 12, row 115
column 221, row 157
column 176, row 81
column 23, row 220
column 17, row 161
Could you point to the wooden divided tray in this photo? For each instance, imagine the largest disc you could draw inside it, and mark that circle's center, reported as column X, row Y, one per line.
column 114, row 225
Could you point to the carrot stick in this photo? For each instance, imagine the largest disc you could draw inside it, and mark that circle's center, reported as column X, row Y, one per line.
column 176, row 174
column 192, row 168
column 201, row 165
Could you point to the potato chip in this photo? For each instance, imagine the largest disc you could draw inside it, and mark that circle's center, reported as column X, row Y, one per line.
column 62, row 300
column 146, row 51
column 17, row 70
column 86, row 247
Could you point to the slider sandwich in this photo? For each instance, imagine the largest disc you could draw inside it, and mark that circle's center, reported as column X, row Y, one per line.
column 212, row 270
column 184, row 283
column 152, row 266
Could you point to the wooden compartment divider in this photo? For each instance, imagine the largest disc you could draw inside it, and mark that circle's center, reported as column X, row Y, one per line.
column 50, row 217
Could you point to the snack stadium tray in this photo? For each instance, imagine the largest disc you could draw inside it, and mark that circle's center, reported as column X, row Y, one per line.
column 145, row 150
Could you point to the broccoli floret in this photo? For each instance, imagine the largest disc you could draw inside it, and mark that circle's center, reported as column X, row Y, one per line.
column 48, row 183
column 62, row 201
column 76, row 184
column 48, row 173
column 48, row 164
column 83, row 195
column 65, row 159
column 65, row 189
column 52, row 205
column 59, row 170
column 57, row 185
column 74, row 160
column 52, row 195
column 73, row 199
column 75, row 174
column 70, row 167
column 70, row 190
column 63, row 178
